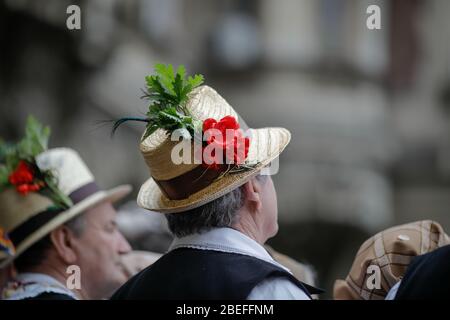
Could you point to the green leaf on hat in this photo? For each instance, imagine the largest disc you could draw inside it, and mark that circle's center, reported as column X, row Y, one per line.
column 168, row 93
column 4, row 174
column 35, row 140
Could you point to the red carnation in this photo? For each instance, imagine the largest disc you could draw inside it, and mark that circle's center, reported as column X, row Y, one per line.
column 23, row 178
column 227, row 122
column 235, row 148
column 209, row 123
column 23, row 174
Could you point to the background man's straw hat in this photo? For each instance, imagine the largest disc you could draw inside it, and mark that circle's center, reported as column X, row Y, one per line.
column 28, row 218
column 200, row 186
column 391, row 251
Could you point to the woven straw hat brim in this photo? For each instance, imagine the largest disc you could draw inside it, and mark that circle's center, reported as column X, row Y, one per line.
column 112, row 195
column 266, row 144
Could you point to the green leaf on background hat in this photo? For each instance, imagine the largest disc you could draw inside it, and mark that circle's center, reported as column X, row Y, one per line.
column 58, row 198
column 35, row 140
column 4, row 175
column 8, row 162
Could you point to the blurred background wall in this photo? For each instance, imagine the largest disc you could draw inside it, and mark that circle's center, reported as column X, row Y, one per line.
column 369, row 110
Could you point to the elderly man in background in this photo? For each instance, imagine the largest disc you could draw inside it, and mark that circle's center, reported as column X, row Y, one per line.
column 63, row 228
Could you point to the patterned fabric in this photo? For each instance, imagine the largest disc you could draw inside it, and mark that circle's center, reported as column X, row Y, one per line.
column 389, row 252
column 6, row 246
column 31, row 285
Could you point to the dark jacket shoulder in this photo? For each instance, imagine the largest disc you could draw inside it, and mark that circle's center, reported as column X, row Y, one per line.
column 427, row 277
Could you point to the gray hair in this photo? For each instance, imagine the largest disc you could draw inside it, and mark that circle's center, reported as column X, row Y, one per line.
column 77, row 224
column 37, row 253
column 222, row 212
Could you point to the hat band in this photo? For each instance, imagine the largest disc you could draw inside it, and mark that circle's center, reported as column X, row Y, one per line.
column 188, row 183
column 39, row 220
column 83, row 192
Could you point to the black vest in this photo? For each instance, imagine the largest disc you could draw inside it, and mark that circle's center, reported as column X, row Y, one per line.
column 427, row 277
column 194, row 274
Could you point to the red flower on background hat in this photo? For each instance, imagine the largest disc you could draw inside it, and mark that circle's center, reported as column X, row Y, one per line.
column 23, row 178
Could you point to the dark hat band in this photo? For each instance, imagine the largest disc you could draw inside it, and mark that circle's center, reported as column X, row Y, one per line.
column 183, row 186
column 39, row 220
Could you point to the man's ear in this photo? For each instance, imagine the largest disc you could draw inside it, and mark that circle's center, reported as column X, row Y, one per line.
column 62, row 238
column 252, row 190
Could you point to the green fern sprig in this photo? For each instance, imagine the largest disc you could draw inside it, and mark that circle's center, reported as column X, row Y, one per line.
column 168, row 93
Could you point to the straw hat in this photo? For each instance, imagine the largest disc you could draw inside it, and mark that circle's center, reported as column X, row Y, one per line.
column 28, row 218
column 180, row 187
column 391, row 251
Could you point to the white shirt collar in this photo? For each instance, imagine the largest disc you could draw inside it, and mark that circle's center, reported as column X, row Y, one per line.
column 29, row 285
column 225, row 240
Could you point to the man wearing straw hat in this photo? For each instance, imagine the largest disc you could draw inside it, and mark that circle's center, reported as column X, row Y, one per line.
column 61, row 224
column 220, row 209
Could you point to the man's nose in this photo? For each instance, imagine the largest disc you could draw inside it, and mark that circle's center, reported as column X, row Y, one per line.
column 123, row 245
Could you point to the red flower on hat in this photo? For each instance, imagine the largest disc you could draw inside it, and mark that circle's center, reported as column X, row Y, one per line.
column 23, row 179
column 227, row 136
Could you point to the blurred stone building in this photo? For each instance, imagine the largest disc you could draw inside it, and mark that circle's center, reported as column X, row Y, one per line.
column 369, row 110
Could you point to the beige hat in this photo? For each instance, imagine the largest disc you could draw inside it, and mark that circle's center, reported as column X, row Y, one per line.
column 391, row 251
column 199, row 185
column 28, row 218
